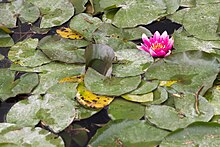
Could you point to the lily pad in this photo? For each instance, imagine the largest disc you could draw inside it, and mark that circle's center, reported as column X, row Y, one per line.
column 24, row 10
column 196, row 134
column 184, row 42
column 54, row 13
column 85, row 24
column 79, row 5
column 113, row 86
column 141, row 98
column 133, row 13
column 64, row 50
column 27, row 136
column 132, row 62
column 11, row 88
column 5, row 39
column 184, row 114
column 191, row 70
column 188, row 3
column 25, row 53
column 138, row 133
column 202, row 21
column 146, row 87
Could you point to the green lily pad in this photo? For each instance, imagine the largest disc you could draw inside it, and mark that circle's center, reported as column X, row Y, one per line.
column 146, row 87
column 54, row 13
column 99, row 57
column 138, row 133
column 11, row 88
column 178, row 16
column 5, row 39
column 202, row 21
column 85, row 24
column 188, row 3
column 202, row 2
column 183, row 42
column 171, row 119
column 27, row 136
column 54, row 73
column 49, row 109
column 196, row 134
column 172, row 5
column 2, row 57
column 133, row 13
column 213, row 97
column 191, row 70
column 24, row 53
column 114, row 37
column 79, row 5
column 24, row 10
column 64, row 50
column 113, row 86
column 123, row 109
column 132, row 62
column 160, row 96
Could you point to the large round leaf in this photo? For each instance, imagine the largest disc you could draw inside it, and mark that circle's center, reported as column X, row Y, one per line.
column 25, row 54
column 185, row 113
column 128, row 133
column 202, row 21
column 123, row 109
column 113, row 86
column 133, row 13
column 146, row 87
column 14, row 136
column 191, row 69
column 54, row 13
column 64, row 50
column 26, row 12
column 197, row 134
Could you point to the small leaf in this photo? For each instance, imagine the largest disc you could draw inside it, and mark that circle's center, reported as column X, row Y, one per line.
column 5, row 39
column 68, row 33
column 91, row 100
column 73, row 79
column 141, row 98
column 167, row 83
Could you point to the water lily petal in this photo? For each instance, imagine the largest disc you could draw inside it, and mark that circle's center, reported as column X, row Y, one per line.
column 156, row 35
column 153, row 54
column 164, row 35
column 169, row 52
column 146, row 40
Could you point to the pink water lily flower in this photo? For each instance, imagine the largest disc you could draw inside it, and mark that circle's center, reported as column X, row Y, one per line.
column 157, row 45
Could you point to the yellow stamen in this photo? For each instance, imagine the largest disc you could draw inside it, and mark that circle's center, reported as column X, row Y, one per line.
column 157, row 46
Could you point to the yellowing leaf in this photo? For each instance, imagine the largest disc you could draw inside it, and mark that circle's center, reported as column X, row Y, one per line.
column 167, row 83
column 5, row 29
column 68, row 33
column 91, row 100
column 73, row 79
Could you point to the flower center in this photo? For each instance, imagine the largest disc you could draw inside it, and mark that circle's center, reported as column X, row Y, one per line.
column 157, row 46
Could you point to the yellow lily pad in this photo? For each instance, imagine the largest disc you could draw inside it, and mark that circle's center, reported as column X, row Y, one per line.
column 68, row 33
column 91, row 100
column 167, row 83
column 74, row 79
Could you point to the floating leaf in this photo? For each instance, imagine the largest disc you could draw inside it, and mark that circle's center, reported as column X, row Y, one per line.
column 59, row 49
column 133, row 13
column 113, row 86
column 146, row 87
column 123, row 109
column 167, row 83
column 202, row 21
column 24, row 10
column 73, row 79
column 138, row 133
column 188, row 3
column 139, row 98
column 191, row 70
column 10, row 88
column 54, row 13
column 27, row 136
column 183, row 115
column 68, row 33
column 5, row 39
column 196, row 134
column 99, row 57
column 79, row 5
column 91, row 100
column 132, row 62
column 85, row 24
column 24, row 53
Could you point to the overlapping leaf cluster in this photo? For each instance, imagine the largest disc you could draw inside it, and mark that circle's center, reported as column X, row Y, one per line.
column 168, row 94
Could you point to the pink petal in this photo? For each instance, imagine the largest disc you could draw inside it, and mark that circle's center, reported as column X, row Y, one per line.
column 143, row 47
column 164, row 35
column 146, row 40
column 160, row 53
column 170, row 43
column 153, row 54
column 156, row 35
column 169, row 52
